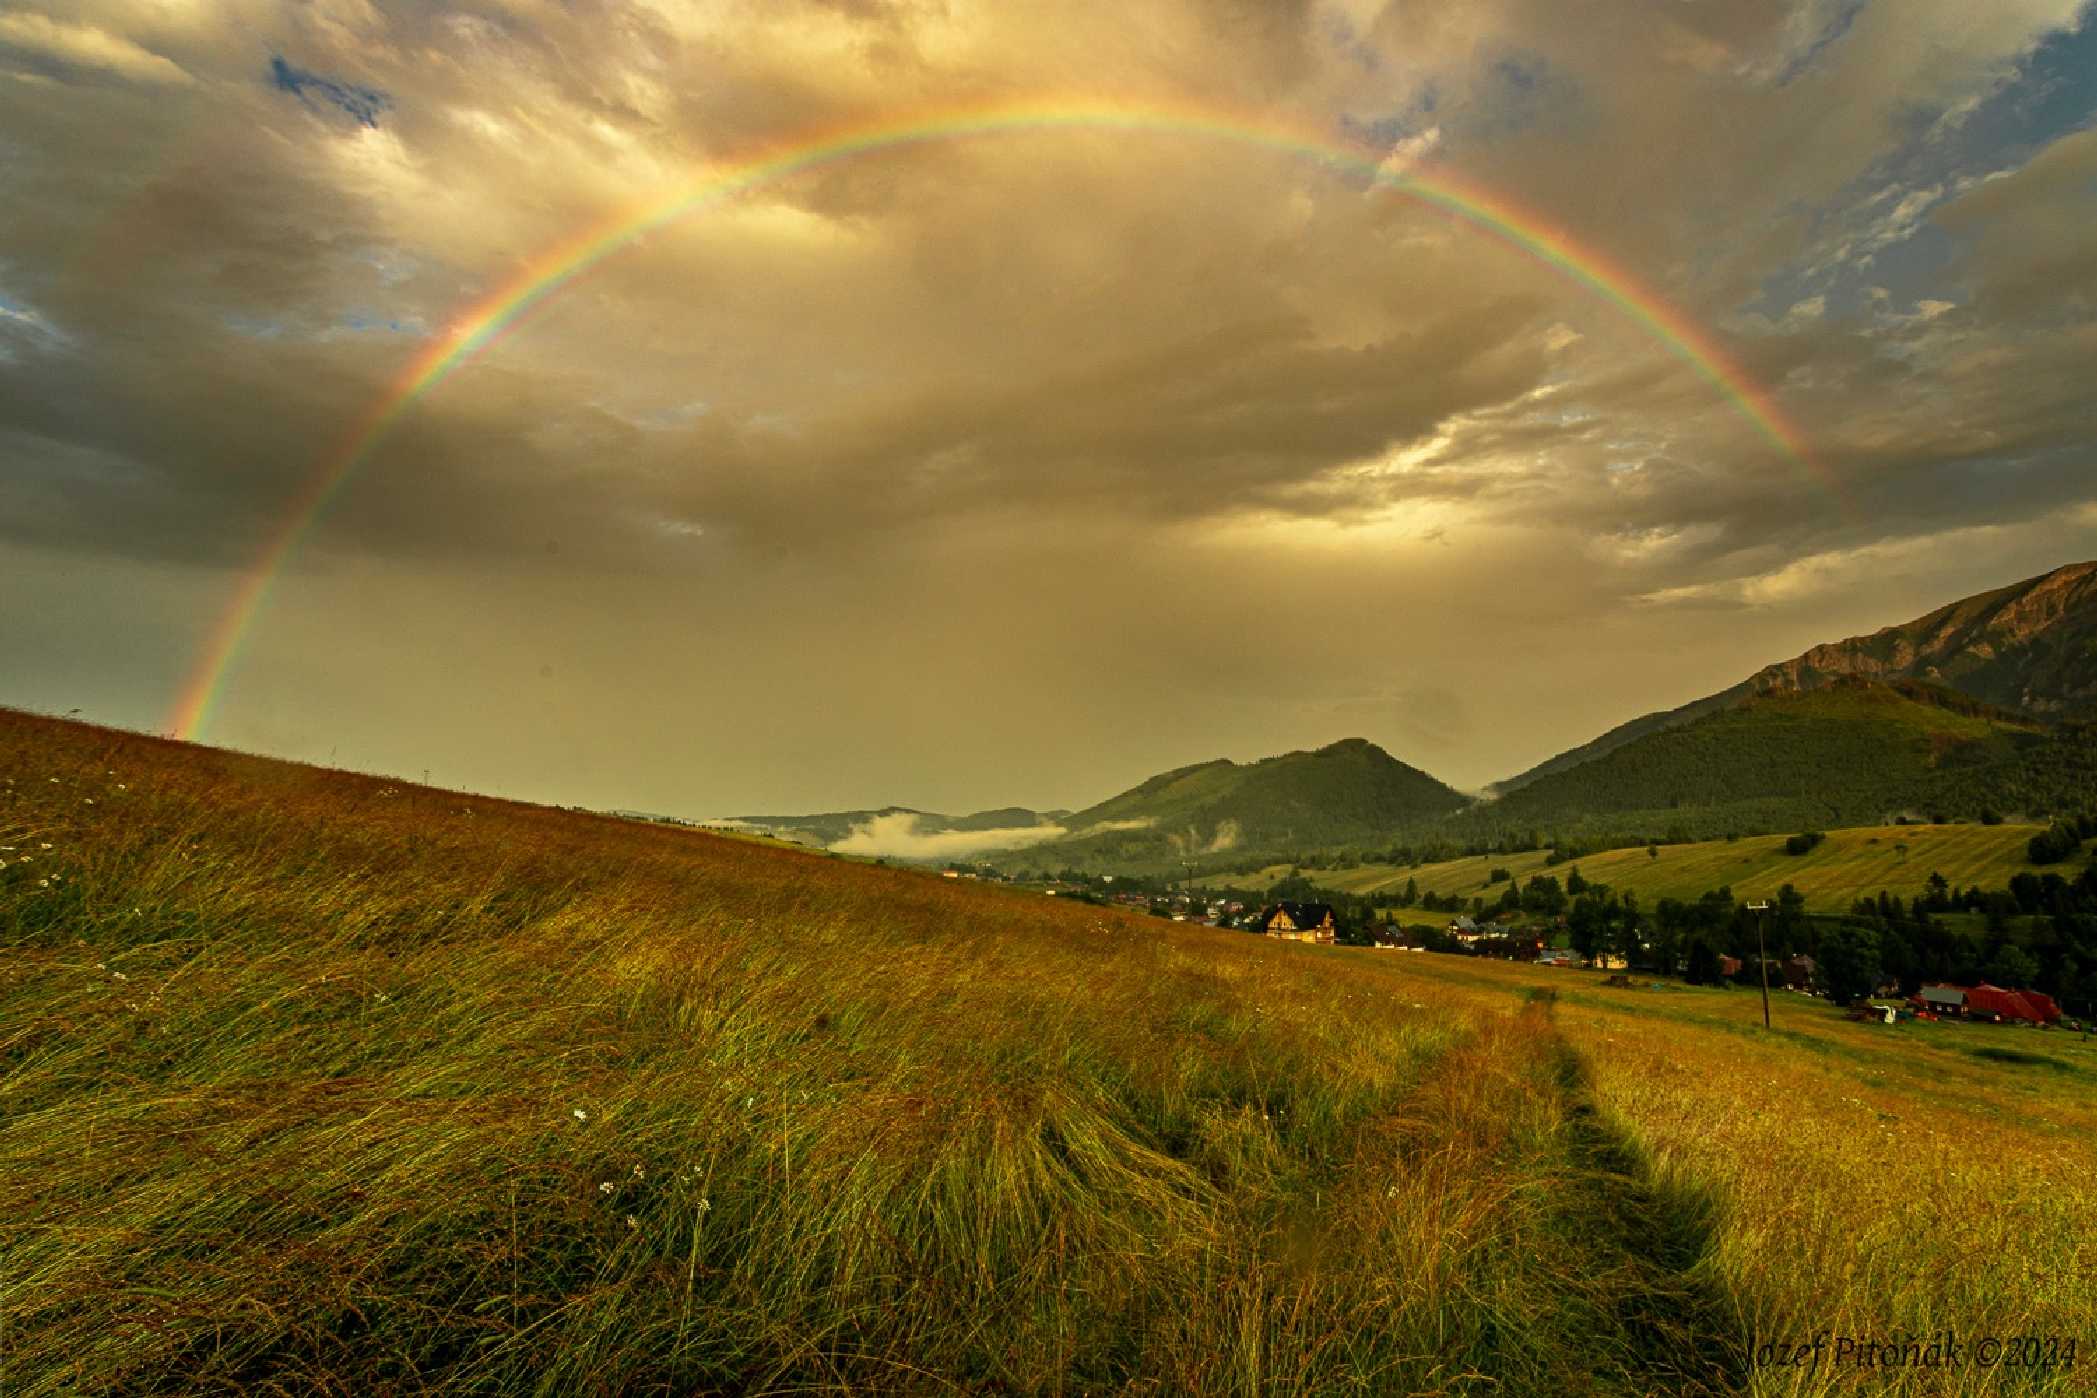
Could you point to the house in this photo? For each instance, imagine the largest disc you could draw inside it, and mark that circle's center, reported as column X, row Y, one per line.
column 1798, row 972
column 1991, row 1003
column 1298, row 922
column 1994, row 1004
column 1728, row 966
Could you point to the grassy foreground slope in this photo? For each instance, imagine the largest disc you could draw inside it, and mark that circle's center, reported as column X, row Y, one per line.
column 1850, row 864
column 314, row 1082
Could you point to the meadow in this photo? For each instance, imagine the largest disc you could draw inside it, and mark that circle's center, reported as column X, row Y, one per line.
column 321, row 1083
column 1850, row 864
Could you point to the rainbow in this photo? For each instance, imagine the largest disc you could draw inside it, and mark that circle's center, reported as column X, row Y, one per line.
column 561, row 265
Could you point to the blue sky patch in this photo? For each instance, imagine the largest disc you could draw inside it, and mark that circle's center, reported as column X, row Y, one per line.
column 363, row 104
column 1880, row 222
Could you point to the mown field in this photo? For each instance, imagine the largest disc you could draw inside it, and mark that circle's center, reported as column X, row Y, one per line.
column 1848, row 865
column 318, row 1083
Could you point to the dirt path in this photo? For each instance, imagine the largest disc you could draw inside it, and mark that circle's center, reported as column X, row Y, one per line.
column 1655, row 1319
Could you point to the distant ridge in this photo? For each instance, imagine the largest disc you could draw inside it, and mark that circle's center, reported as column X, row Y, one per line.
column 2029, row 647
column 829, row 827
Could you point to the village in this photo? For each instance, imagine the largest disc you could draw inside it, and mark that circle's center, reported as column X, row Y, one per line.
column 1544, row 942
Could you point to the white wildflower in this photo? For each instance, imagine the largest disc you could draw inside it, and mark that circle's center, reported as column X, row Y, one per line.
column 632, row 1222
column 606, row 1187
column 639, row 1173
column 580, row 1115
column 705, row 1205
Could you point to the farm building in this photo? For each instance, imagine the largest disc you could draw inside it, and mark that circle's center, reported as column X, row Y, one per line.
column 1298, row 922
column 1996, row 1005
column 1991, row 1003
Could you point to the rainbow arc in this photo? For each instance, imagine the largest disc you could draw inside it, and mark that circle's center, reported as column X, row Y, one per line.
column 561, row 265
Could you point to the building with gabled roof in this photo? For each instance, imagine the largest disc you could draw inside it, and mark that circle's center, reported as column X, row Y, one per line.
column 1298, row 922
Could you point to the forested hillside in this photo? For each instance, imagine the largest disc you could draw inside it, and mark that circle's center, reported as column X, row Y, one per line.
column 1349, row 791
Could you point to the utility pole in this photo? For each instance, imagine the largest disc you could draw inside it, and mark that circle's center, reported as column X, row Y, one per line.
column 1760, row 908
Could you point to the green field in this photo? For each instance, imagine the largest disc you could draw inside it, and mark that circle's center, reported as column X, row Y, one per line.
column 1848, row 865
column 318, row 1083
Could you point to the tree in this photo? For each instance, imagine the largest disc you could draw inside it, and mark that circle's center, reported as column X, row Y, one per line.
column 2013, row 967
column 1587, row 927
column 1790, row 924
column 1703, row 964
column 1574, row 884
column 1849, row 963
column 2055, row 844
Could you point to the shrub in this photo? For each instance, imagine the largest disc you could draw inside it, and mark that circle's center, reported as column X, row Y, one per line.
column 2055, row 844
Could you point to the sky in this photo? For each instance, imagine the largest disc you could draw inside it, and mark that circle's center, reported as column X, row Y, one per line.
column 1012, row 466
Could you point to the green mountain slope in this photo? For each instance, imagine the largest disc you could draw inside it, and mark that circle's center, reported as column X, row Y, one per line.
column 2031, row 646
column 1850, row 752
column 1350, row 791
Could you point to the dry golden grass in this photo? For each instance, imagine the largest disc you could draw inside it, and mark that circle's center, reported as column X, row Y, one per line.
column 318, row 1083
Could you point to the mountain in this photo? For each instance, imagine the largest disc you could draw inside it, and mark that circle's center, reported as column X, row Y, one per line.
column 1351, row 791
column 1846, row 751
column 833, row 827
column 2029, row 647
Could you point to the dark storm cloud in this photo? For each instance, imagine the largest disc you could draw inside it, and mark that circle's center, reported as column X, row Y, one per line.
column 969, row 407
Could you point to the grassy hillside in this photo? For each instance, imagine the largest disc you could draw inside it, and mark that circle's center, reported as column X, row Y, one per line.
column 316, row 1082
column 1849, row 754
column 1848, row 865
column 1346, row 792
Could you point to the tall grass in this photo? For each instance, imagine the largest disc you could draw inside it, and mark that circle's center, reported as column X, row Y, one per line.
column 317, row 1083
column 322, row 1083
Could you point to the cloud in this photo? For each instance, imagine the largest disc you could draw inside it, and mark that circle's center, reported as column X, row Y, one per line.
column 898, row 837
column 74, row 47
column 1054, row 457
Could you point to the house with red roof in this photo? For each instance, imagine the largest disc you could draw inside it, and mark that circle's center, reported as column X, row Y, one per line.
column 1996, row 1005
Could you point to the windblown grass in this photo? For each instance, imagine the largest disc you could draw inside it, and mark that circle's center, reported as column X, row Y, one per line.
column 340, row 1085
column 317, row 1083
